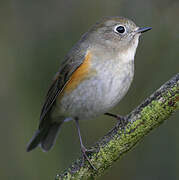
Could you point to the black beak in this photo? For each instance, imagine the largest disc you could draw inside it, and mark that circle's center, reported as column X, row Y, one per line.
column 143, row 29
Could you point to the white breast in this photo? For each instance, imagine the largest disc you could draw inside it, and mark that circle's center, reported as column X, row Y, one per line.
column 115, row 80
column 100, row 93
column 97, row 94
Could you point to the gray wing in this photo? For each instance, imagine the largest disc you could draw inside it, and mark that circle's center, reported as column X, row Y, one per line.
column 72, row 61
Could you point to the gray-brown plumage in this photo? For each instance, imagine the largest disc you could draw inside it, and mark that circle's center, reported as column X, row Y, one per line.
column 94, row 76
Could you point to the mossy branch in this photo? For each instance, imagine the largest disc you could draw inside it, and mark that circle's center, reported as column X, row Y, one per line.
column 123, row 137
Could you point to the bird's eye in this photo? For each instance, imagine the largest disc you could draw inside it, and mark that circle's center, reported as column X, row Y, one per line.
column 120, row 29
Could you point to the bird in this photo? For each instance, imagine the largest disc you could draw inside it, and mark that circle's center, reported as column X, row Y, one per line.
column 93, row 77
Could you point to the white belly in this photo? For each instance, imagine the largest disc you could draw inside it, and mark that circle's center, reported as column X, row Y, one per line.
column 100, row 93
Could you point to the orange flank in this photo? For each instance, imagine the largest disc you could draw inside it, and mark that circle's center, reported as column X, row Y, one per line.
column 81, row 73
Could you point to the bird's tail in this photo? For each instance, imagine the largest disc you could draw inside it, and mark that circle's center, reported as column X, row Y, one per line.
column 45, row 137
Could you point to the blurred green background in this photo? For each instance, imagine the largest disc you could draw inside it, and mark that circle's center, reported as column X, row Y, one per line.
column 34, row 37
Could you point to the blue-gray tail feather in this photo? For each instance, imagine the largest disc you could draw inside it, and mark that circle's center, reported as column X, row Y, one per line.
column 45, row 137
column 49, row 140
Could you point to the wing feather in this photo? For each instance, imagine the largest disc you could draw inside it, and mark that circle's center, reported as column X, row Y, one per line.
column 72, row 61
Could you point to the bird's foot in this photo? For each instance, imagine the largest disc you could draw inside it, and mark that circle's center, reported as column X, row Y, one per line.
column 121, row 119
column 85, row 153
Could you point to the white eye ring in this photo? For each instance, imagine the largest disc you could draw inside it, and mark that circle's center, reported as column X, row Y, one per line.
column 120, row 29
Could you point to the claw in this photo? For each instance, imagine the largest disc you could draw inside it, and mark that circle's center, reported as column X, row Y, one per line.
column 85, row 156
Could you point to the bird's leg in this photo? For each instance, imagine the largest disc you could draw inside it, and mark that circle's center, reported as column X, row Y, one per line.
column 83, row 149
column 122, row 119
